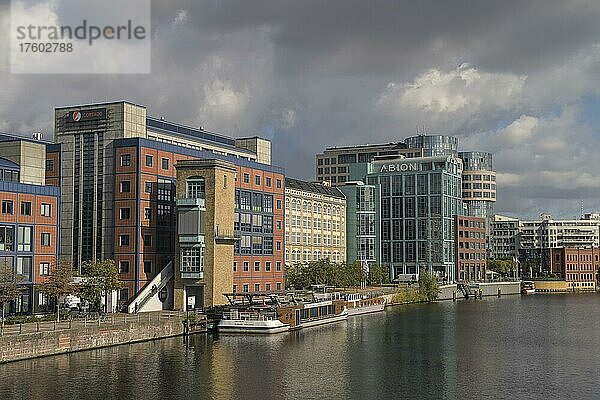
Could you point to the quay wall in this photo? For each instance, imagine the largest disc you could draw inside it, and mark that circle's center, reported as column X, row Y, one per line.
column 448, row 292
column 38, row 344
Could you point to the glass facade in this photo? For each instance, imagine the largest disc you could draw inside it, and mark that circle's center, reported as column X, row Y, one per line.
column 253, row 223
column 434, row 145
column 419, row 198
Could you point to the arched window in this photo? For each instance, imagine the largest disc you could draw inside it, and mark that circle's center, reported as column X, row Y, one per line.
column 195, row 187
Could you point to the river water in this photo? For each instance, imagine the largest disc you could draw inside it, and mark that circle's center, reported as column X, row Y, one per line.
column 534, row 347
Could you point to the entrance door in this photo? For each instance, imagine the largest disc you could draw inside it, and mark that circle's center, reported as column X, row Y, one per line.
column 194, row 297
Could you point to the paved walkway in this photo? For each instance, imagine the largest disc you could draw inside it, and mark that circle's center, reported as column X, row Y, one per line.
column 107, row 320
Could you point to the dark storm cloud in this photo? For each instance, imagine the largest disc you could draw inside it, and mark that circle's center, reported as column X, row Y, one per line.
column 310, row 74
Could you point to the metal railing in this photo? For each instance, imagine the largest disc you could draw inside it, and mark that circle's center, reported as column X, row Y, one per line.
column 102, row 321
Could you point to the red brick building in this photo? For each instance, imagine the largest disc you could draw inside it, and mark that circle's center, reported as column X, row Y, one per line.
column 29, row 220
column 470, row 248
column 578, row 266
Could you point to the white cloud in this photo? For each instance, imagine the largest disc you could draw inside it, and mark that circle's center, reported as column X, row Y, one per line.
column 462, row 90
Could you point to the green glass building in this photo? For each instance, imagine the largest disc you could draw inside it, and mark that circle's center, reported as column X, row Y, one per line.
column 417, row 200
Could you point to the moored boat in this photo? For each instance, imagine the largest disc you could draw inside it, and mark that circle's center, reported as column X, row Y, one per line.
column 527, row 287
column 251, row 321
column 304, row 315
column 358, row 303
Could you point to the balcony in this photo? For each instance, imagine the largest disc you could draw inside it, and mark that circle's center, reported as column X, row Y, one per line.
column 224, row 235
column 196, row 202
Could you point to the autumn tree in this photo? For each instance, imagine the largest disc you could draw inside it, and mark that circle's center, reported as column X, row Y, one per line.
column 59, row 283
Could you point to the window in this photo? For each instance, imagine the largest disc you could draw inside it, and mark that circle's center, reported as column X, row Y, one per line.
column 7, row 206
column 268, row 181
column 195, row 188
column 46, row 210
column 257, row 266
column 125, row 186
column 234, row 266
column 124, row 240
column 246, row 178
column 45, row 239
column 148, row 187
column 257, row 287
column 44, row 269
column 165, row 163
column 192, row 259
column 124, row 213
column 49, row 165
column 24, row 238
column 278, row 245
column 123, row 267
column 257, row 179
column 278, row 285
column 245, row 265
column 278, row 266
column 267, row 286
column 278, row 224
column 6, row 238
column 148, row 214
column 124, row 294
column 268, row 266
column 25, row 208
column 125, row 160
column 147, row 267
column 278, row 183
column 147, row 240
column 245, row 287
column 149, row 160
column 279, row 204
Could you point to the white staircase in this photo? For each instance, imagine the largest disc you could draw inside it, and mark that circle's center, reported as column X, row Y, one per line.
column 150, row 291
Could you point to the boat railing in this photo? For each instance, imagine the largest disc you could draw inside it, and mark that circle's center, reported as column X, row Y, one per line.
column 250, row 315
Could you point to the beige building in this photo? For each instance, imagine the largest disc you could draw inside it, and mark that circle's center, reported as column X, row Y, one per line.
column 29, row 154
column 204, row 245
column 315, row 222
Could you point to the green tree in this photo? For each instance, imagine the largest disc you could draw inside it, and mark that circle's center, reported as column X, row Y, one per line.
column 59, row 283
column 99, row 278
column 501, row 266
column 9, row 288
column 378, row 275
column 429, row 286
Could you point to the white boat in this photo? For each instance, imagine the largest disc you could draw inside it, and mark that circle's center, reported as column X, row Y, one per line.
column 251, row 321
column 527, row 287
column 358, row 304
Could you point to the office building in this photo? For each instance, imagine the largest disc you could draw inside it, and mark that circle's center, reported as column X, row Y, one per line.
column 504, row 237
column 333, row 165
column 470, row 248
column 315, row 222
column 29, row 220
column 419, row 198
column 577, row 266
column 118, row 179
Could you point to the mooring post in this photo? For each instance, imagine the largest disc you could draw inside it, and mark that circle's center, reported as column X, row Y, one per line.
column 454, row 295
column 499, row 292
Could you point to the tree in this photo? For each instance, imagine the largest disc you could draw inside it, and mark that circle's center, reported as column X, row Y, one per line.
column 501, row 266
column 378, row 275
column 429, row 287
column 99, row 278
column 59, row 283
column 9, row 289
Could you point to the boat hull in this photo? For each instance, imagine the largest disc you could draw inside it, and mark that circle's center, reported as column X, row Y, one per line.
column 322, row 321
column 366, row 309
column 528, row 291
column 258, row 327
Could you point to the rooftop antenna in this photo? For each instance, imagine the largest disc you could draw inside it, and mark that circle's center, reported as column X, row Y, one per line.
column 581, row 209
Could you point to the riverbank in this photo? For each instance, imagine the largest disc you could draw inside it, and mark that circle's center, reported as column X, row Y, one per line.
column 33, row 340
column 452, row 292
column 44, row 339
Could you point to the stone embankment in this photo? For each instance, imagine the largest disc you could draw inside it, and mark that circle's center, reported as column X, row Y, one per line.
column 47, row 338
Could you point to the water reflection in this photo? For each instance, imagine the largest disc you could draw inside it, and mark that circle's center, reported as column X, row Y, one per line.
column 536, row 347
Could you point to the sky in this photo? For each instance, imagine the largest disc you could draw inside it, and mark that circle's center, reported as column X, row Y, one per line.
column 520, row 79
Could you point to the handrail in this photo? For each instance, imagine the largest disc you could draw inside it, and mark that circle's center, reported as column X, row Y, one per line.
column 157, row 283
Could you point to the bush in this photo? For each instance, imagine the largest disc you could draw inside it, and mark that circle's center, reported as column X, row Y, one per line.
column 24, row 319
